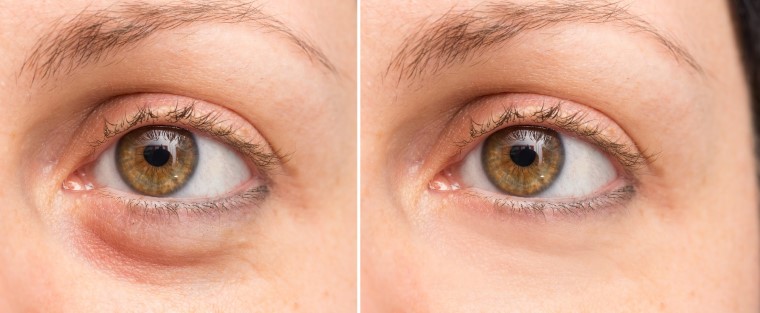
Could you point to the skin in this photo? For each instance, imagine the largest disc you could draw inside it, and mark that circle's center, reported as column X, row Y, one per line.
column 71, row 251
column 687, row 241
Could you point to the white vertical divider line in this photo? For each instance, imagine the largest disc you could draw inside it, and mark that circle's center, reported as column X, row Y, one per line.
column 358, row 156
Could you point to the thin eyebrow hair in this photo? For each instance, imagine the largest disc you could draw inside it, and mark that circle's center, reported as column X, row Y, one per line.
column 459, row 34
column 93, row 35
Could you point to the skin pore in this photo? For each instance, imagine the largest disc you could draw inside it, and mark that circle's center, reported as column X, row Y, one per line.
column 263, row 79
column 664, row 78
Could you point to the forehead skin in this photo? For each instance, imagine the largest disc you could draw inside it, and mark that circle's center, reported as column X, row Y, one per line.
column 689, row 241
column 38, row 272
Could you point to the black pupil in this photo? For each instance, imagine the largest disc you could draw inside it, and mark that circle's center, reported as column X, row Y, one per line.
column 522, row 155
column 156, row 155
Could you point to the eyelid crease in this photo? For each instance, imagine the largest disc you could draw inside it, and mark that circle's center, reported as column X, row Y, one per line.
column 577, row 123
column 187, row 115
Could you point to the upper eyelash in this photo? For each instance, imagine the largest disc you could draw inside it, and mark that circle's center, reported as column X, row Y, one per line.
column 210, row 123
column 577, row 123
column 521, row 134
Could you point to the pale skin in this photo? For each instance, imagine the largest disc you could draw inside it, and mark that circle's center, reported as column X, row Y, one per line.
column 687, row 240
column 294, row 251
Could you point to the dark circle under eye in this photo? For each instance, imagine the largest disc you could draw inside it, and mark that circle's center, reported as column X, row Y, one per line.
column 523, row 160
column 157, row 160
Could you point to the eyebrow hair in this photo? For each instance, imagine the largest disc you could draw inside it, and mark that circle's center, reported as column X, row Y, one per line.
column 93, row 35
column 457, row 35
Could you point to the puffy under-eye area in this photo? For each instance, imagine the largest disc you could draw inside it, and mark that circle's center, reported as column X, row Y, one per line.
column 143, row 245
column 164, row 161
column 571, row 168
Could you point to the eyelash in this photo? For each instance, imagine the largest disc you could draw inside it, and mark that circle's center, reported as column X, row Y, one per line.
column 579, row 124
column 208, row 123
column 576, row 123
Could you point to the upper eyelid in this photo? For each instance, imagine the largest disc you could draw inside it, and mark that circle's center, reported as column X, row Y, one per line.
column 208, row 121
column 577, row 123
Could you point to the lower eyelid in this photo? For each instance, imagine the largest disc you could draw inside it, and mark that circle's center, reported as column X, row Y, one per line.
column 163, row 212
column 612, row 200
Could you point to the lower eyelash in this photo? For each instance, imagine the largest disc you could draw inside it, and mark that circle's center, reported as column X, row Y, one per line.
column 548, row 209
column 176, row 210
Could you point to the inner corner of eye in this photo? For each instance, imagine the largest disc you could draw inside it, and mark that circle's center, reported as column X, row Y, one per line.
column 162, row 161
column 531, row 161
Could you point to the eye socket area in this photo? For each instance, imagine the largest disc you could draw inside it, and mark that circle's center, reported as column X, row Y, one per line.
column 214, row 189
column 174, row 233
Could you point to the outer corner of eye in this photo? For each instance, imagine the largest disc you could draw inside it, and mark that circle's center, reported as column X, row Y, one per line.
column 162, row 161
column 536, row 162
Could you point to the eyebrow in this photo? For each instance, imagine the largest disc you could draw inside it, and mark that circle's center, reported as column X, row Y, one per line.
column 457, row 35
column 93, row 35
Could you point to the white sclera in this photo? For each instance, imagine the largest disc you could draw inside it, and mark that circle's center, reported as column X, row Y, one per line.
column 219, row 171
column 585, row 171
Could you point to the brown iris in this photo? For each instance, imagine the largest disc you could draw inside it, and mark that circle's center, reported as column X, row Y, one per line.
column 156, row 160
column 523, row 160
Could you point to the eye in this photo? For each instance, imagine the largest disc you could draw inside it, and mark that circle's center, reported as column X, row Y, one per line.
column 156, row 154
column 531, row 161
column 162, row 161
column 534, row 155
